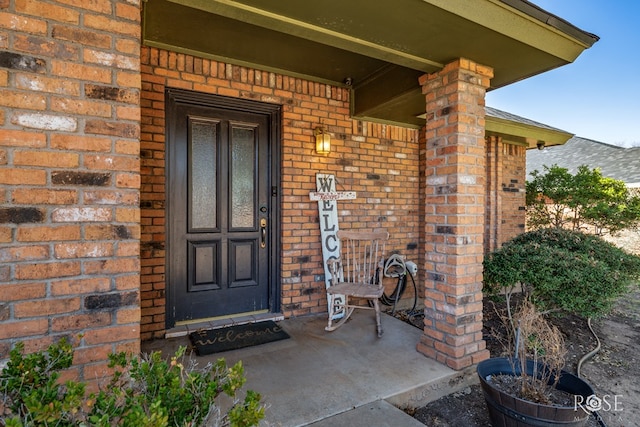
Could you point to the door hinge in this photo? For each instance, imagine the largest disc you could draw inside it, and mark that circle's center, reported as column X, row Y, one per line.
column 274, row 191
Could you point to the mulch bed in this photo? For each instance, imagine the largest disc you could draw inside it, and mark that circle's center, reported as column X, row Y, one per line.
column 468, row 407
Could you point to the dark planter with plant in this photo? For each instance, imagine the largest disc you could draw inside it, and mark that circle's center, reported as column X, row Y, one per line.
column 530, row 388
column 506, row 410
column 539, row 273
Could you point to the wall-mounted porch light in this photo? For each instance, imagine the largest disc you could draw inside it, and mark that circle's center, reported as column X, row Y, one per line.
column 323, row 140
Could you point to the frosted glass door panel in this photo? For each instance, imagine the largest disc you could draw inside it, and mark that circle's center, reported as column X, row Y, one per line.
column 203, row 152
column 243, row 177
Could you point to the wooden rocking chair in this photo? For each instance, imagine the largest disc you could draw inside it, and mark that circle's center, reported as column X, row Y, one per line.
column 356, row 273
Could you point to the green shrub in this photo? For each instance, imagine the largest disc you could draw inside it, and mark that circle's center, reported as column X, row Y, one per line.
column 30, row 390
column 562, row 269
column 142, row 392
column 556, row 198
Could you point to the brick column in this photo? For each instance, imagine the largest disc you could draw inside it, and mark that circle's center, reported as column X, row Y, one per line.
column 455, row 180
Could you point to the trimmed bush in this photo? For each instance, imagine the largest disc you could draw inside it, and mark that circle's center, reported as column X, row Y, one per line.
column 562, row 269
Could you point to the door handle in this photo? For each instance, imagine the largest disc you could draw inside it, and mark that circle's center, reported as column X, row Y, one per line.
column 263, row 233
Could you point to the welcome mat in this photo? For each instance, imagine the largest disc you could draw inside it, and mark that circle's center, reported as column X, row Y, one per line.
column 234, row 337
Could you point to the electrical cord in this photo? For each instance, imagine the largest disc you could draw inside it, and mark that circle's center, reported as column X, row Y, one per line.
column 585, row 358
column 592, row 352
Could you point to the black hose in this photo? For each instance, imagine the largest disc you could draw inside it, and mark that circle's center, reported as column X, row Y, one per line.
column 415, row 293
column 399, row 290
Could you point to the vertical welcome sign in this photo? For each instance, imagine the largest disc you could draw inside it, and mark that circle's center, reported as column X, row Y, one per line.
column 327, row 198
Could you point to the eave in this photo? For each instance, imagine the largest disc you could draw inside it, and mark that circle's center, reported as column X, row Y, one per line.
column 524, row 134
column 379, row 50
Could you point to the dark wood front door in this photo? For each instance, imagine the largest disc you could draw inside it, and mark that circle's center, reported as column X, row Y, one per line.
column 221, row 208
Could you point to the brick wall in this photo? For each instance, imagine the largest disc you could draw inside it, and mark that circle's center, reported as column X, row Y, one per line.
column 506, row 188
column 513, row 188
column 69, row 176
column 82, row 222
column 377, row 161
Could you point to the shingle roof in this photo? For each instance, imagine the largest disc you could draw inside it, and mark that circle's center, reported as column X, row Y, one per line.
column 500, row 114
column 614, row 162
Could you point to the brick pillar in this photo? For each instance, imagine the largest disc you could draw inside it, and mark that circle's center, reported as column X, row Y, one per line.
column 455, row 180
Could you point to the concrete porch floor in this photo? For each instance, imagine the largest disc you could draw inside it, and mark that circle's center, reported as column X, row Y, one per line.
column 348, row 377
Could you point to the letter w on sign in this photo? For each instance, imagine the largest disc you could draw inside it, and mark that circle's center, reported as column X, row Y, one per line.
column 327, row 198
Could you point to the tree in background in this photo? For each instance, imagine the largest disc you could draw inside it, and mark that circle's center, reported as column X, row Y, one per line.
column 556, row 198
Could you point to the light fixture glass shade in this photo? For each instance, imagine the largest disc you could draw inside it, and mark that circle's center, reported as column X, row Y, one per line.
column 323, row 141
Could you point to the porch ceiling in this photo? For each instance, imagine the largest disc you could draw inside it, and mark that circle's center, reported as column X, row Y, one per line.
column 380, row 47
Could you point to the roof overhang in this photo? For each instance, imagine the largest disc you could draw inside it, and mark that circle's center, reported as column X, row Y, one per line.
column 379, row 50
column 528, row 135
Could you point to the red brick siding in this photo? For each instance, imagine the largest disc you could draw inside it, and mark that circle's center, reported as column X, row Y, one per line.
column 379, row 162
column 513, row 187
column 69, row 173
column 506, row 187
column 82, row 248
column 493, row 215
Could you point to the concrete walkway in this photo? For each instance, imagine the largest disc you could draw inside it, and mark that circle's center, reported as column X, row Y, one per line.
column 348, row 377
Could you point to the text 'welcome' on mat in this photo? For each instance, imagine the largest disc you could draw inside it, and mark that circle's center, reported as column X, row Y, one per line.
column 233, row 337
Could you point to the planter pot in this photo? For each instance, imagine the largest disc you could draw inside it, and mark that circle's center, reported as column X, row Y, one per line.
column 506, row 410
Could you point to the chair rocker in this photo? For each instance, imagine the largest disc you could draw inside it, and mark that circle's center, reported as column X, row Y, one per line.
column 356, row 274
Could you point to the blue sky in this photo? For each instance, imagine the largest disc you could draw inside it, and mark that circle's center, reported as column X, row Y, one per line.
column 598, row 95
